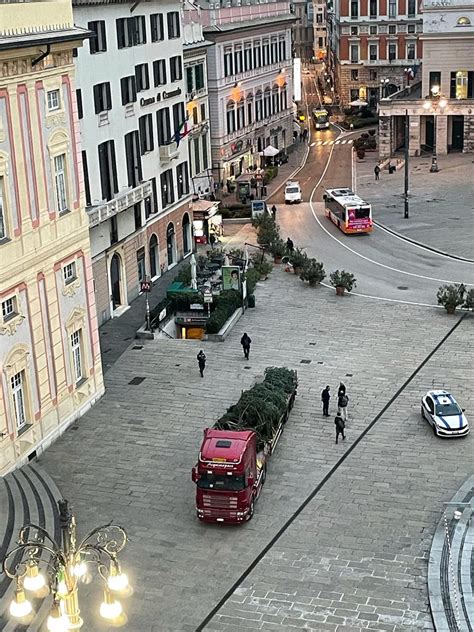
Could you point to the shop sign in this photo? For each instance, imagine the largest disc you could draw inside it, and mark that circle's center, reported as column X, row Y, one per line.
column 195, row 306
column 145, row 102
column 173, row 93
column 236, row 147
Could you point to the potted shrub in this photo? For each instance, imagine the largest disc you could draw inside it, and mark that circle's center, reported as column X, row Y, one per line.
column 264, row 268
column 342, row 281
column 361, row 153
column 313, row 272
column 469, row 301
column 278, row 250
column 451, row 296
column 298, row 260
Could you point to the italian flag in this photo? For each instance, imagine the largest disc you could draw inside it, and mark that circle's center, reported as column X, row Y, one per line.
column 181, row 132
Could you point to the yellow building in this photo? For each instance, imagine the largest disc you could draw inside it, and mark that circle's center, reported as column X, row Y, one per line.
column 50, row 369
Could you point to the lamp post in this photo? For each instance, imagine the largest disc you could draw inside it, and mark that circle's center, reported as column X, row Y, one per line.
column 406, row 214
column 436, row 101
column 383, row 85
column 63, row 564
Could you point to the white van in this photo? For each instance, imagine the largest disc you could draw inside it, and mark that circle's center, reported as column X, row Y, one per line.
column 292, row 193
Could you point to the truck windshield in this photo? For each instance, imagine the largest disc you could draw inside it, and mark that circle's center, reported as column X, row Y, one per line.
column 221, row 481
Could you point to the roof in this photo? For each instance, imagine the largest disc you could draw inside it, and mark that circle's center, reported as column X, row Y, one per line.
column 248, row 24
column 410, row 93
column 26, row 40
column 346, row 196
column 224, row 444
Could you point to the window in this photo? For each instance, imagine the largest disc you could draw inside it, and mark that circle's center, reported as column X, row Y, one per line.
column 87, row 188
column 108, row 169
column 76, row 356
column 3, row 227
column 183, row 179
column 392, row 8
column 354, row 75
column 373, row 52
column 319, row 18
column 197, row 156
column 238, row 61
column 462, row 84
column 176, row 71
column 173, row 25
column 139, row 29
column 257, row 55
column 435, row 80
column 199, row 76
column 80, row 112
column 133, row 158
column 463, row 21
column 113, row 229
column 411, row 28
column 355, row 53
column 411, row 50
column 205, row 158
column 69, row 272
column 249, row 112
column 258, row 107
column 282, row 46
column 60, row 182
column 137, row 213
column 163, row 126
column 54, row 102
column 189, row 79
column 240, row 115
column 411, row 8
column 372, row 75
column 228, row 63
column 203, row 112
column 354, row 8
column 178, row 116
column 9, row 308
column 141, row 77
column 167, row 188
column 195, row 116
column 145, row 124
column 373, row 30
column 102, row 97
column 230, row 117
column 124, row 28
column 18, row 395
column 128, row 89
column 97, row 43
column 266, row 52
column 354, row 30
column 267, row 99
column 156, row 27
column 274, row 51
column 159, row 72
column 392, row 29
column 248, row 57
column 372, row 9
column 392, row 51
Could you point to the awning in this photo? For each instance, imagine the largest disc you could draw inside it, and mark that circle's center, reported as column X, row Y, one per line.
column 270, row 151
column 358, row 103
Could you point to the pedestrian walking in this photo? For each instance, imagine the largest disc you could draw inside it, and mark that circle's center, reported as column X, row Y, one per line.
column 342, row 402
column 377, row 172
column 212, row 240
column 340, row 425
column 305, row 134
column 325, row 397
column 341, row 390
column 201, row 358
column 274, row 212
column 290, row 245
column 245, row 342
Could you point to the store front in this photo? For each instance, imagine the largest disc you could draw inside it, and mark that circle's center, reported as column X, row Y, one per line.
column 206, row 220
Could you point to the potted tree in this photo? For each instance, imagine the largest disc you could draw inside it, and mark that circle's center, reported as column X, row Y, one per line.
column 469, row 302
column 264, row 268
column 451, row 296
column 278, row 250
column 298, row 259
column 342, row 281
column 313, row 272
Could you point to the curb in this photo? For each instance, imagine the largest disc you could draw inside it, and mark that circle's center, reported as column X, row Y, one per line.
column 421, row 244
column 292, row 174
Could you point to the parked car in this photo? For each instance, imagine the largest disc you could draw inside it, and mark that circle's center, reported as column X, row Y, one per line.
column 292, row 192
column 444, row 414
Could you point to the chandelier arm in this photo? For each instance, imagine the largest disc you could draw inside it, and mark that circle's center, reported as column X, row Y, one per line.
column 55, row 555
column 38, row 528
column 98, row 550
column 104, row 530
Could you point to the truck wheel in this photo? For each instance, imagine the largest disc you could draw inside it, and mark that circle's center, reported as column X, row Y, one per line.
column 251, row 511
column 264, row 475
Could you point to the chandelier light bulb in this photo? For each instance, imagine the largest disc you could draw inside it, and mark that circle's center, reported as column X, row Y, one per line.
column 20, row 606
column 57, row 622
column 80, row 569
column 117, row 580
column 110, row 608
column 62, row 588
column 34, row 580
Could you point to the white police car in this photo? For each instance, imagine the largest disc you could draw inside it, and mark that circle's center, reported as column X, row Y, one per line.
column 292, row 192
column 443, row 413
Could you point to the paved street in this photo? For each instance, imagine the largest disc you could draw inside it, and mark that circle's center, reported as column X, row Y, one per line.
column 367, row 534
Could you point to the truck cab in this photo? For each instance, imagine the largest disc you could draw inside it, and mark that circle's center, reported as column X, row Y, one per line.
column 229, row 475
column 292, row 192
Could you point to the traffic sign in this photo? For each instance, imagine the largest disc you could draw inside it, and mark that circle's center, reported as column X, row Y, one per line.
column 207, row 294
column 145, row 286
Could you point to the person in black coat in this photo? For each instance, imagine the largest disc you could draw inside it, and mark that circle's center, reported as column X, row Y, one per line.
column 325, row 397
column 290, row 245
column 245, row 342
column 201, row 358
column 340, row 425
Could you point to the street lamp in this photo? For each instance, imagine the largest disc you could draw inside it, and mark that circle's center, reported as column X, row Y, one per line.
column 383, row 84
column 437, row 101
column 40, row 565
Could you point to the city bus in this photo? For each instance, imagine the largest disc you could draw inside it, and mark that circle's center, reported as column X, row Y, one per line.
column 321, row 119
column 348, row 211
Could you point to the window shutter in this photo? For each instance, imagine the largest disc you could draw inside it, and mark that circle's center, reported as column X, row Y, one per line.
column 93, row 47
column 103, row 36
column 452, row 88
column 85, row 170
column 120, row 33
column 104, row 174
column 470, row 84
column 141, row 127
column 80, row 112
column 153, row 27
column 134, row 88
column 143, row 25
column 150, row 129
column 108, row 97
column 146, row 77
column 124, row 90
column 97, row 98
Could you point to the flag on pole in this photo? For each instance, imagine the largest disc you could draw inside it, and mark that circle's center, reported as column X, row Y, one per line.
column 181, row 132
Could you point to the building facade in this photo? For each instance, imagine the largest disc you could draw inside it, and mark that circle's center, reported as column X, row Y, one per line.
column 131, row 92
column 440, row 107
column 302, row 32
column 197, row 102
column 378, row 41
column 250, row 83
column 50, row 368
column 320, row 35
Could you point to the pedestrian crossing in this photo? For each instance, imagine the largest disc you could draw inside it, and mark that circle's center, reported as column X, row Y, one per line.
column 319, row 143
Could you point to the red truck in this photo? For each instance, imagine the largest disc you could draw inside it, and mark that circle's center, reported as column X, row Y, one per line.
column 232, row 463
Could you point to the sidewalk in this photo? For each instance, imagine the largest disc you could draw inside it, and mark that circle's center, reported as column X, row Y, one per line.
column 441, row 205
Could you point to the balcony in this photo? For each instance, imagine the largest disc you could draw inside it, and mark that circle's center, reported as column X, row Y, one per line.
column 168, row 152
column 121, row 202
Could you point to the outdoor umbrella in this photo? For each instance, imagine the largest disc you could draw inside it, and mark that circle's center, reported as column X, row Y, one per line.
column 270, row 151
column 358, row 103
column 193, row 272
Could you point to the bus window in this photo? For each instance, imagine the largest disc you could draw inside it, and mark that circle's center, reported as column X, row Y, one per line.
column 362, row 212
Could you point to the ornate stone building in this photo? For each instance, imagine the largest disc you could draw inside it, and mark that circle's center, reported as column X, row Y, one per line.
column 440, row 106
column 50, row 369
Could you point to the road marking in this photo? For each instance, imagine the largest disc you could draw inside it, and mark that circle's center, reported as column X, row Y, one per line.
column 313, row 144
column 391, row 300
column 320, row 143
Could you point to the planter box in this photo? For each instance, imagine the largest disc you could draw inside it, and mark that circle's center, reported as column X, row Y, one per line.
column 226, row 328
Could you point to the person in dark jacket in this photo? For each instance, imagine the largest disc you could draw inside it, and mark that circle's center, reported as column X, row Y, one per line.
column 290, row 245
column 274, row 212
column 201, row 358
column 342, row 402
column 341, row 390
column 245, row 342
column 340, row 425
column 325, row 397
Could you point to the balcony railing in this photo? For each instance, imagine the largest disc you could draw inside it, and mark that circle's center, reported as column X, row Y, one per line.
column 122, row 202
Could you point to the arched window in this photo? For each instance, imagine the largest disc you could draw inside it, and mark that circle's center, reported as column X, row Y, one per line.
column 230, row 113
column 186, row 227
column 153, row 254
column 250, row 110
column 171, row 244
column 463, row 21
column 258, row 106
column 275, row 100
column 283, row 99
column 267, row 103
column 241, row 114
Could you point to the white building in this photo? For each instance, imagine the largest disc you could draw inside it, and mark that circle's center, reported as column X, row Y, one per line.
column 131, row 101
column 250, row 82
column 320, row 29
